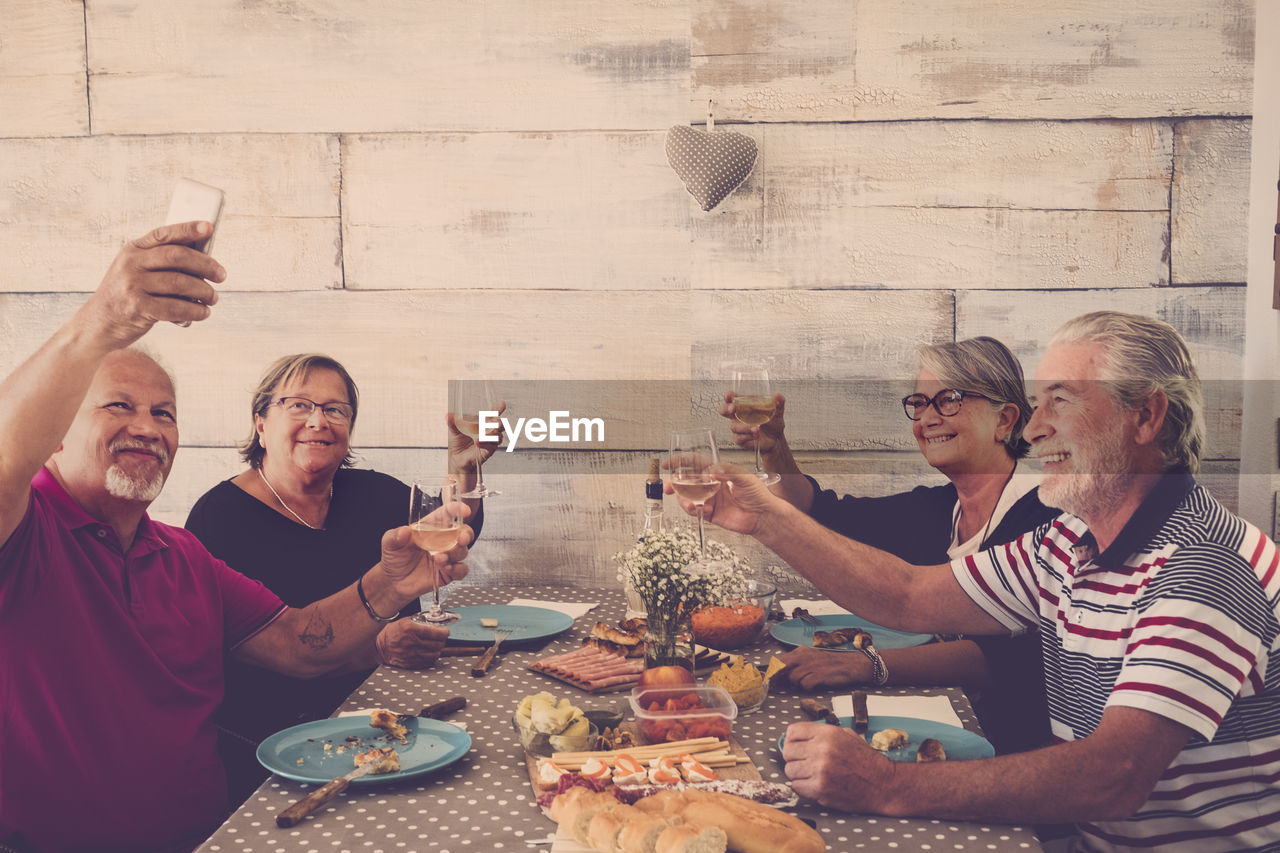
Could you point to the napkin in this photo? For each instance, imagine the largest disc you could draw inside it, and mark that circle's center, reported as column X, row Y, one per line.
column 934, row 708
column 817, row 608
column 571, row 609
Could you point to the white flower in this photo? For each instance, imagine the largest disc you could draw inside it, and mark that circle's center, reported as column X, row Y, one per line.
column 667, row 572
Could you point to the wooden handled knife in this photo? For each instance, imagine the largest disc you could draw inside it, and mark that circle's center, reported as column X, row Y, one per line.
column 482, row 665
column 317, row 798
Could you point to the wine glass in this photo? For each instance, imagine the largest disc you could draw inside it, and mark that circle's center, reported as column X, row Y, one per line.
column 753, row 405
column 467, row 399
column 435, row 525
column 693, row 457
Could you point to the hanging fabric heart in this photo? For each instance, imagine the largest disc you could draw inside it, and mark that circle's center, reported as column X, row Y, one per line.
column 712, row 165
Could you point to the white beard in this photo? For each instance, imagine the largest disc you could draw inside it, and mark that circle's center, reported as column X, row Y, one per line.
column 1106, row 477
column 122, row 485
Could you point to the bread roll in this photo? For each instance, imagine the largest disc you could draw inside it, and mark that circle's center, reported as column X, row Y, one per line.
column 751, row 827
column 689, row 838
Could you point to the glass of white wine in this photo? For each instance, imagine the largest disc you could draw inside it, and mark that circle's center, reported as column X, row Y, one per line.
column 435, row 523
column 754, row 404
column 467, row 399
column 692, row 462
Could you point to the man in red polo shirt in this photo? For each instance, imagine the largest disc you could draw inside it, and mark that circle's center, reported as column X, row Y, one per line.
column 113, row 626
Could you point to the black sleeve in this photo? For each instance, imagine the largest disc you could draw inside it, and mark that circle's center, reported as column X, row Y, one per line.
column 914, row 525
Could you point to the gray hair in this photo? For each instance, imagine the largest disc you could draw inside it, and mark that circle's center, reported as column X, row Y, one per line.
column 984, row 366
column 1142, row 355
column 282, row 372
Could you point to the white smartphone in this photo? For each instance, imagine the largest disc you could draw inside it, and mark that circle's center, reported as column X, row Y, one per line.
column 192, row 201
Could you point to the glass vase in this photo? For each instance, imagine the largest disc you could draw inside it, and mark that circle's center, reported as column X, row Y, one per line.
column 669, row 640
column 635, row 604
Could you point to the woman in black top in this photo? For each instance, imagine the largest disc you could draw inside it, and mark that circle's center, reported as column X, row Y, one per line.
column 967, row 412
column 306, row 524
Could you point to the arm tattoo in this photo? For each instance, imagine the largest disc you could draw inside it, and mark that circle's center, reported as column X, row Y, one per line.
column 317, row 634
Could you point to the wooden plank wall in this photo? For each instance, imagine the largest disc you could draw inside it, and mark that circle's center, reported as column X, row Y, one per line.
column 478, row 188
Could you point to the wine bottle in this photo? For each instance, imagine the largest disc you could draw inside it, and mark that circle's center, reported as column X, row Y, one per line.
column 653, row 521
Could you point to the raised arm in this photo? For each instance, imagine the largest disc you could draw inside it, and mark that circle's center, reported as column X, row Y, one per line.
column 775, row 452
column 874, row 584
column 151, row 279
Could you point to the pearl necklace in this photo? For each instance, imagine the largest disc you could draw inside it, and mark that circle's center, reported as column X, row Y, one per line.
column 263, row 475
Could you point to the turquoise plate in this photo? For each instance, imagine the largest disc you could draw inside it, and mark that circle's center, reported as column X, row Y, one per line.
column 795, row 632
column 524, row 623
column 960, row 744
column 299, row 752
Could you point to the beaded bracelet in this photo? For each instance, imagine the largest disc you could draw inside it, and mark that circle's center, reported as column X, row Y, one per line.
column 879, row 672
column 373, row 614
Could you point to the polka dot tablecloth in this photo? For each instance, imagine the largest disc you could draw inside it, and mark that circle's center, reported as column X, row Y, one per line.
column 484, row 801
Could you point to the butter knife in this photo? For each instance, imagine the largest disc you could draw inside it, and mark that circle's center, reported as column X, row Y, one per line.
column 482, row 665
column 860, row 714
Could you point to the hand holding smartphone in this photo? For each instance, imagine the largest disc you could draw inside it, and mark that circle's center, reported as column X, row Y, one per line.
column 194, row 201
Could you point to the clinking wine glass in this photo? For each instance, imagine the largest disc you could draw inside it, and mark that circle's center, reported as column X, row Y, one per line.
column 754, row 404
column 467, row 399
column 435, row 524
column 692, row 462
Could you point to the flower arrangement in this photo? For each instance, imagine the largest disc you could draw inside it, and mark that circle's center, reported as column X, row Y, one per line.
column 673, row 580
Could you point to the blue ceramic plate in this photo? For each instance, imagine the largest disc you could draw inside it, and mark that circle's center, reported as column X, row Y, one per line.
column 299, row 753
column 794, row 632
column 960, row 744
column 524, row 623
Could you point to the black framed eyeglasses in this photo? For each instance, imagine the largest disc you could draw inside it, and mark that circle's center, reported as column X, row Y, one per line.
column 300, row 408
column 947, row 401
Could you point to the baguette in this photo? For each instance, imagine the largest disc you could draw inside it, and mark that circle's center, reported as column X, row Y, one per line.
column 640, row 835
column 602, row 831
column 748, row 827
column 562, row 802
column 663, row 803
column 579, row 814
column 751, row 827
column 690, row 838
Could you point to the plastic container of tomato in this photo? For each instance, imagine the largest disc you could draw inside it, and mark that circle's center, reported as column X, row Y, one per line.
column 666, row 714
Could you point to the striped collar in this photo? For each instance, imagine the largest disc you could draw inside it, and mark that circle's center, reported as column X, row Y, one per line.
column 1151, row 514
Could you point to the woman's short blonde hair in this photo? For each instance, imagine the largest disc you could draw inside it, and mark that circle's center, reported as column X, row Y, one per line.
column 280, row 373
column 984, row 366
column 1141, row 355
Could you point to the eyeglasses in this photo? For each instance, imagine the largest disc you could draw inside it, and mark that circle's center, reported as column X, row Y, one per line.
column 300, row 408
column 947, row 401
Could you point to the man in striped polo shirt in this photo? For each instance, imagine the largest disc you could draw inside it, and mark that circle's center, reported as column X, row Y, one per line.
column 1160, row 651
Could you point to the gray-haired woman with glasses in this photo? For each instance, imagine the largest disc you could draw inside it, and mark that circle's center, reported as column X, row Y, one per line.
column 307, row 524
column 967, row 412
